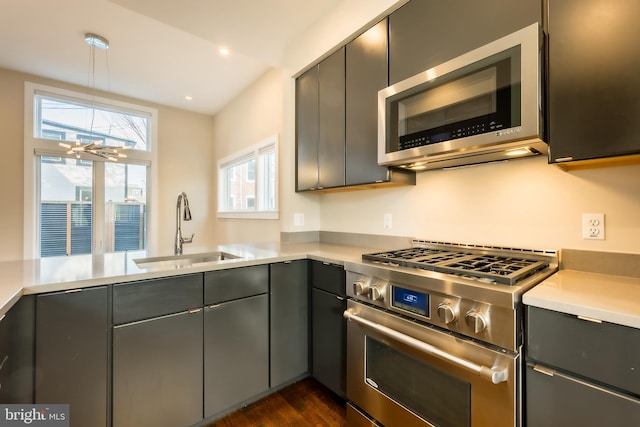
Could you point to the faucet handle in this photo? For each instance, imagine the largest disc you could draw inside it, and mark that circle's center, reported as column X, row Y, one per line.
column 189, row 239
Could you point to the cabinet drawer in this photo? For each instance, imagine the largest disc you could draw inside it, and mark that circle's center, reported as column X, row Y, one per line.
column 328, row 277
column 152, row 298
column 559, row 400
column 227, row 285
column 603, row 351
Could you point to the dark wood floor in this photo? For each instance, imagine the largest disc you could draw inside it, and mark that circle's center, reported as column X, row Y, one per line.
column 305, row 403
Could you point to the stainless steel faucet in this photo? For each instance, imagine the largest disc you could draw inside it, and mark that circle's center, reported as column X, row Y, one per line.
column 187, row 217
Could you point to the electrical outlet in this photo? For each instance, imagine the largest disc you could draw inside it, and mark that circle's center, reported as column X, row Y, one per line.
column 387, row 221
column 298, row 219
column 593, row 226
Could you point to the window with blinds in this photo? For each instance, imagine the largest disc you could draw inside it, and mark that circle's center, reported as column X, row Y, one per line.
column 86, row 203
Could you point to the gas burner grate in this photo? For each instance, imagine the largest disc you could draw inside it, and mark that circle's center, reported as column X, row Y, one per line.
column 487, row 267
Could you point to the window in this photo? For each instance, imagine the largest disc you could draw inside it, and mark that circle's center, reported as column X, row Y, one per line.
column 83, row 204
column 247, row 182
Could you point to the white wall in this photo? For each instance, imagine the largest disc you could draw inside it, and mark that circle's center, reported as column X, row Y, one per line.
column 520, row 203
column 253, row 116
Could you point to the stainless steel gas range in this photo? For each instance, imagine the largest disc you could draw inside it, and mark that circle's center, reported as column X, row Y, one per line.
column 435, row 333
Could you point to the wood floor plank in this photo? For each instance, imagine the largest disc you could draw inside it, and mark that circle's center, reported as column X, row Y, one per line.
column 305, row 403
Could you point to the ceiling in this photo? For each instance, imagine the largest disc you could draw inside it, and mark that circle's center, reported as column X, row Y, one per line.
column 160, row 50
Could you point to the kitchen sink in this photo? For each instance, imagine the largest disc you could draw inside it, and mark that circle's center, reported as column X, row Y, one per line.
column 177, row 261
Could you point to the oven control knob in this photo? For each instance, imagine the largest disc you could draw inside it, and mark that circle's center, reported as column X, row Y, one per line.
column 361, row 288
column 377, row 292
column 447, row 313
column 475, row 321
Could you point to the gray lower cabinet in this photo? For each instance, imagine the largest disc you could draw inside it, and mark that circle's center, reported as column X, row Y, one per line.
column 328, row 326
column 236, row 352
column 236, row 336
column 158, row 352
column 580, row 372
column 289, row 321
column 71, row 356
column 157, row 371
column 5, row 396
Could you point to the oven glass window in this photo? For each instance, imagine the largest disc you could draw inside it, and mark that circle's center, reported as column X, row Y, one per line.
column 428, row 392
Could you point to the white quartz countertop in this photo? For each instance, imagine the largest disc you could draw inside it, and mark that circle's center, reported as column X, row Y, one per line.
column 26, row 277
column 604, row 297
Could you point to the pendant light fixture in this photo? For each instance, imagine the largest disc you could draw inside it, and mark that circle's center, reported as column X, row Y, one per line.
column 96, row 148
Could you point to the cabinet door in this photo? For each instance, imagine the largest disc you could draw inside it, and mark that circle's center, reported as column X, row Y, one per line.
column 289, row 315
column 157, row 371
column 307, row 130
column 560, row 401
column 72, row 353
column 236, row 352
column 366, row 74
column 5, row 396
column 425, row 33
column 331, row 110
column 594, row 85
column 329, row 340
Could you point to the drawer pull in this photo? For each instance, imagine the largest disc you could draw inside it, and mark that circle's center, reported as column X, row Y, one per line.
column 590, row 319
column 194, row 310
column 543, row 370
column 3, row 362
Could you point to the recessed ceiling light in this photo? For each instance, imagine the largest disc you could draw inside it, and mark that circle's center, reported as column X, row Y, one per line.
column 96, row 40
column 223, row 51
column 188, row 97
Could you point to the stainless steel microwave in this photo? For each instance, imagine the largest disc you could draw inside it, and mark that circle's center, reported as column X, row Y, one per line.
column 485, row 105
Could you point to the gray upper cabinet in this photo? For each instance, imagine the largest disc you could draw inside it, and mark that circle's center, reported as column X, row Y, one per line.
column 425, row 33
column 320, row 106
column 307, row 130
column 331, row 161
column 366, row 74
column 71, row 359
column 594, row 85
column 337, row 118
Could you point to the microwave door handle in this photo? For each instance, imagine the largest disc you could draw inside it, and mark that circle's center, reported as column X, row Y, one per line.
column 496, row 376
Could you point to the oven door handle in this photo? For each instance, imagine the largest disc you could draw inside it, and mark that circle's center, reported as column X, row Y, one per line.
column 495, row 375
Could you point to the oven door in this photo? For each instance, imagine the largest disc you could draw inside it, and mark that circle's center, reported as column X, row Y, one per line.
column 407, row 374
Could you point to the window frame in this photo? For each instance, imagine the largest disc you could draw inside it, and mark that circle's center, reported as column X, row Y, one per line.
column 34, row 147
column 259, row 153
